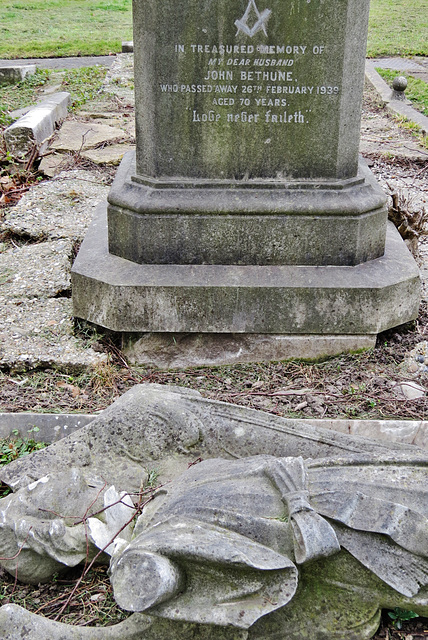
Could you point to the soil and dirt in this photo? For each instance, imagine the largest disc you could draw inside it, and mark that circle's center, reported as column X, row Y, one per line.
column 363, row 385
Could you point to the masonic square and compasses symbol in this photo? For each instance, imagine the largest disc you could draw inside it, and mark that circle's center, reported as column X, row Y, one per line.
column 259, row 25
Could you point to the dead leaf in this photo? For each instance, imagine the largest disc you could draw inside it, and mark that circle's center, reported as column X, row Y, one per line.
column 75, row 391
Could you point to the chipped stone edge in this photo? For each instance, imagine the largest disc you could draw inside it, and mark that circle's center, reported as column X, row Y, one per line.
column 12, row 74
column 37, row 125
column 54, row 426
column 397, row 107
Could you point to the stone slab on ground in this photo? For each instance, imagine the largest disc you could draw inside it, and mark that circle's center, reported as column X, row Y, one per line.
column 37, row 125
column 50, row 426
column 60, row 208
column 81, row 136
column 12, row 74
column 175, row 351
column 398, row 64
column 110, row 154
column 39, row 333
column 65, row 63
column 37, row 270
column 53, row 163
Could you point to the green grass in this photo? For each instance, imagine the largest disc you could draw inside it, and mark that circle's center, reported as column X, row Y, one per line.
column 398, row 27
column 83, row 84
column 22, row 94
column 46, row 28
column 16, row 447
column 417, row 90
column 58, row 28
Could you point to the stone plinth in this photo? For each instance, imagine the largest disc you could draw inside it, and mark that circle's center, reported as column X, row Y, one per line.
column 127, row 297
column 336, row 222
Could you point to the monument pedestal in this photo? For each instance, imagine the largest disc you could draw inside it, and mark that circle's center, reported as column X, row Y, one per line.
column 243, row 222
column 245, row 227
column 289, row 310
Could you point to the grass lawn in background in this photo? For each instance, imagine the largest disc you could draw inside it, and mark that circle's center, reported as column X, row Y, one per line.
column 59, row 28
column 398, row 27
column 52, row 28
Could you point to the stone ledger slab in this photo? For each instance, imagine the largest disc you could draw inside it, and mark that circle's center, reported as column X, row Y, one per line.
column 124, row 296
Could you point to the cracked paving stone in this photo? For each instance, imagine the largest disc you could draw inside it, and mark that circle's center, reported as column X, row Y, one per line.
column 60, row 208
column 81, row 136
column 39, row 333
column 35, row 271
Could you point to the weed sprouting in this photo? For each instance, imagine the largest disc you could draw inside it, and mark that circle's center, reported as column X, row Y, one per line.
column 398, row 616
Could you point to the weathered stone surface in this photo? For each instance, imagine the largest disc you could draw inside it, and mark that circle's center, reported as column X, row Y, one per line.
column 53, row 164
column 111, row 154
column 149, row 420
column 16, row 73
column 329, row 516
column 37, row 125
column 409, row 390
column 50, row 426
column 234, row 105
column 317, row 48
column 51, row 542
column 296, row 300
column 173, row 350
column 61, row 208
column 20, row 273
column 81, row 136
column 405, row 431
column 39, row 332
column 15, row 621
column 307, row 223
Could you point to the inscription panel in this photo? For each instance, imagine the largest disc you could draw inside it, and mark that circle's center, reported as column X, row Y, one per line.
column 247, row 89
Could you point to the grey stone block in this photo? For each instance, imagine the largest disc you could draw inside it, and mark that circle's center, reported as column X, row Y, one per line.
column 180, row 69
column 173, row 350
column 14, row 74
column 336, row 222
column 124, row 296
column 127, row 46
column 50, row 426
column 36, row 126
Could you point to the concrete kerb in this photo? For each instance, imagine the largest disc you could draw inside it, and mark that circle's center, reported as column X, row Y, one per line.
column 37, row 125
column 397, row 107
column 12, row 74
column 51, row 427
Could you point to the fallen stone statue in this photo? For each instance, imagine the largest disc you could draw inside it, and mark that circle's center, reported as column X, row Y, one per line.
column 249, row 535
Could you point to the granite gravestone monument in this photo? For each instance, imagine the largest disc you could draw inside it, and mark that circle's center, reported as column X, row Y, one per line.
column 246, row 209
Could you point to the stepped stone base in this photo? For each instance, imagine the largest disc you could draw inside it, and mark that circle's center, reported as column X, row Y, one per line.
column 245, row 222
column 352, row 304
